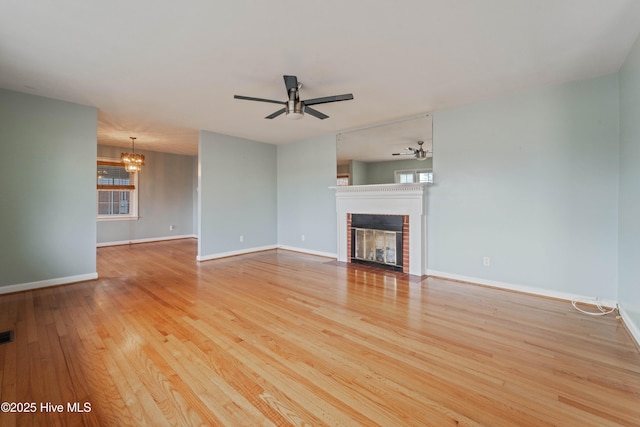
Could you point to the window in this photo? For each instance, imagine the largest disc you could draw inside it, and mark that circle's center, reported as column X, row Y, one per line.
column 414, row 175
column 343, row 179
column 117, row 194
column 425, row 176
column 404, row 177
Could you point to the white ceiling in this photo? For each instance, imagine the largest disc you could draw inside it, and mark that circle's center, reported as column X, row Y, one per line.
column 162, row 69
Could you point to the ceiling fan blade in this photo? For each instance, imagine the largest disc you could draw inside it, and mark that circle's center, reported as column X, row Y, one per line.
column 315, row 113
column 250, row 98
column 290, row 82
column 327, row 99
column 276, row 114
column 403, row 154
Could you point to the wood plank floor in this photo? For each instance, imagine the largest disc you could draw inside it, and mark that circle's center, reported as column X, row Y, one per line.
column 281, row 338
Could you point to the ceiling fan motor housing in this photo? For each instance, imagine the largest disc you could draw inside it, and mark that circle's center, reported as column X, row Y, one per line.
column 294, row 109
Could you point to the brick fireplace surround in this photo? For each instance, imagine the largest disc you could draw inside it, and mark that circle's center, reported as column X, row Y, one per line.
column 408, row 200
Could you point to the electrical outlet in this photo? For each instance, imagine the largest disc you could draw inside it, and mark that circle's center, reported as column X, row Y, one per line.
column 172, row 227
column 241, row 238
column 302, row 237
column 486, row 261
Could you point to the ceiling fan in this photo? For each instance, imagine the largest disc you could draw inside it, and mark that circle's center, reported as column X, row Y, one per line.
column 294, row 108
column 418, row 153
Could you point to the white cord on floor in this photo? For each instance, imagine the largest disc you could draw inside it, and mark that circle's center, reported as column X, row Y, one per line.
column 596, row 302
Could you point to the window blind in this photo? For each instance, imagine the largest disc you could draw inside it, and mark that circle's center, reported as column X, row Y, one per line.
column 113, row 176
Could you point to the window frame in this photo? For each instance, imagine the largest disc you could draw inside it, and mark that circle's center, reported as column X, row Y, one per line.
column 133, row 190
column 414, row 172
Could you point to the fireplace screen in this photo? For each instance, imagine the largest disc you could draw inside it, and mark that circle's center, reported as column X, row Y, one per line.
column 375, row 246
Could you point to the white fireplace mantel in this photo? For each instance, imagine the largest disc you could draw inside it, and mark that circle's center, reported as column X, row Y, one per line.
column 387, row 199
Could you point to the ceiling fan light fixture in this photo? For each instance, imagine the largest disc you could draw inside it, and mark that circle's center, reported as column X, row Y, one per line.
column 294, row 110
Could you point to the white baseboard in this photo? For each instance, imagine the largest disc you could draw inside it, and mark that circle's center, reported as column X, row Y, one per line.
column 46, row 283
column 234, row 253
column 632, row 327
column 152, row 239
column 520, row 288
column 308, row 251
column 265, row 248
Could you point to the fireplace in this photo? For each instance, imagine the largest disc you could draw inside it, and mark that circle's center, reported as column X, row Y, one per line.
column 405, row 200
column 377, row 240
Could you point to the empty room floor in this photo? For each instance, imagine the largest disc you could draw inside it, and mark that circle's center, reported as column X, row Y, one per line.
column 283, row 338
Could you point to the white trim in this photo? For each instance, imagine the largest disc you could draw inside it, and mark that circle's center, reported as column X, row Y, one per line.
column 308, row 251
column 47, row 283
column 234, row 253
column 633, row 329
column 519, row 288
column 152, row 239
column 101, row 218
column 410, row 189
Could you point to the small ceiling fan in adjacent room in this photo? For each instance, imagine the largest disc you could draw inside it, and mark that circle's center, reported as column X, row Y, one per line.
column 419, row 153
column 294, row 108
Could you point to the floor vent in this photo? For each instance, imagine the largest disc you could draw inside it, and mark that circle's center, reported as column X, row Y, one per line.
column 6, row 336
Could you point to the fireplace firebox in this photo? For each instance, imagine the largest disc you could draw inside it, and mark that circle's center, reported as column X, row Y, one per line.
column 377, row 240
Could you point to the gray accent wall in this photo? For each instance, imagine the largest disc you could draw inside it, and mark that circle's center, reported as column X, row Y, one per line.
column 165, row 198
column 306, row 204
column 237, row 195
column 48, row 230
column 531, row 180
column 629, row 212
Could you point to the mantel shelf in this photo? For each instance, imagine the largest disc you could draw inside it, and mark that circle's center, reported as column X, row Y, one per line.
column 379, row 188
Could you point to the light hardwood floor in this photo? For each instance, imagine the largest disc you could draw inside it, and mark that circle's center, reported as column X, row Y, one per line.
column 281, row 338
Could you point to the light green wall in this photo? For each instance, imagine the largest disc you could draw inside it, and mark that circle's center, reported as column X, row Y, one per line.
column 165, row 198
column 384, row 172
column 237, row 194
column 358, row 172
column 306, row 204
column 530, row 180
column 194, row 196
column 48, row 194
column 629, row 218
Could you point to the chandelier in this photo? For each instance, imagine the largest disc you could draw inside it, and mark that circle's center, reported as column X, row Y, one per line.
column 132, row 162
